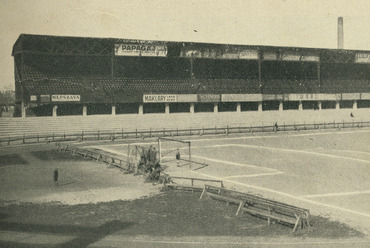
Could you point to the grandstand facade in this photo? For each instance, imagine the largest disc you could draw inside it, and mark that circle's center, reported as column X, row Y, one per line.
column 74, row 76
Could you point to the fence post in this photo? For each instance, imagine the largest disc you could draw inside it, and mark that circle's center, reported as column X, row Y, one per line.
column 136, row 133
column 284, row 126
column 177, row 130
column 98, row 135
column 215, row 129
column 150, row 132
column 24, row 137
column 53, row 137
column 64, row 136
column 227, row 129
column 82, row 135
column 38, row 138
column 164, row 131
column 122, row 132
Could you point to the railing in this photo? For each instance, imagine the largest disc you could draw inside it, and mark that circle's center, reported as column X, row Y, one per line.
column 123, row 134
column 170, row 183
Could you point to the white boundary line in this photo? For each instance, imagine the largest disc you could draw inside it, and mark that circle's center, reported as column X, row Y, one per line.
column 256, row 175
column 338, row 194
column 302, row 151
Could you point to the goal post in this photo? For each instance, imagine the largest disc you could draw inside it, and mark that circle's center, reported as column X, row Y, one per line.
column 168, row 148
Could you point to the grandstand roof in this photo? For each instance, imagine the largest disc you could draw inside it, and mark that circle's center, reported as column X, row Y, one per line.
column 29, row 43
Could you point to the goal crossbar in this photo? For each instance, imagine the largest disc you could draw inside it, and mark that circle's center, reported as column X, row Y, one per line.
column 187, row 145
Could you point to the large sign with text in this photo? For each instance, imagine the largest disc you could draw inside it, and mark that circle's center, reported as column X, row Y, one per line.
column 154, row 98
column 220, row 53
column 148, row 50
column 65, row 98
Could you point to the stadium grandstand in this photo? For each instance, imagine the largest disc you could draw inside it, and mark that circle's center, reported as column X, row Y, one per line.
column 131, row 83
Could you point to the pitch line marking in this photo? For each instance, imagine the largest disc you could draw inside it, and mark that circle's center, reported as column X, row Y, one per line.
column 338, row 194
column 233, row 163
column 250, row 137
column 278, row 136
column 285, row 194
column 306, row 152
column 256, row 175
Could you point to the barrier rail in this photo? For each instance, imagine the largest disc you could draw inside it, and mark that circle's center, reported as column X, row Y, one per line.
column 108, row 158
column 170, row 183
column 262, row 207
column 113, row 135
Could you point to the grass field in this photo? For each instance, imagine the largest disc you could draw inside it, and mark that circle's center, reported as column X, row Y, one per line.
column 97, row 205
column 327, row 172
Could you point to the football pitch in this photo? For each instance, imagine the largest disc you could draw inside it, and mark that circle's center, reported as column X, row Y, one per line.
column 327, row 172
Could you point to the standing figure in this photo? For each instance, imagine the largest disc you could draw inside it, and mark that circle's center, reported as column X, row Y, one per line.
column 56, row 177
column 178, row 157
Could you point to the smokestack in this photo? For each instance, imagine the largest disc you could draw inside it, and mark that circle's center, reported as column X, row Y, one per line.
column 340, row 32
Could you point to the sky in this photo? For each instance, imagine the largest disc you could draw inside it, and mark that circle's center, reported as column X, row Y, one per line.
column 298, row 23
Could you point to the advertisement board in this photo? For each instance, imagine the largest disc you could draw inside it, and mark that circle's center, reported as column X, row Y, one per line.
column 145, row 50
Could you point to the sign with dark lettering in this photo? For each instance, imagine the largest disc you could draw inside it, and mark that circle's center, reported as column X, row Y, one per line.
column 148, row 50
column 65, row 98
column 159, row 98
column 220, row 53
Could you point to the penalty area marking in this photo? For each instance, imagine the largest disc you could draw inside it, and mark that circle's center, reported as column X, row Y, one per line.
column 302, row 151
column 234, row 163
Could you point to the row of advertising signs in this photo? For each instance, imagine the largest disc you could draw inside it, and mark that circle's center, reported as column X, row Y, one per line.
column 167, row 98
column 252, row 97
column 229, row 52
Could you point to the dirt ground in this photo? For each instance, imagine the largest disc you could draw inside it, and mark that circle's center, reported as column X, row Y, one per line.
column 94, row 200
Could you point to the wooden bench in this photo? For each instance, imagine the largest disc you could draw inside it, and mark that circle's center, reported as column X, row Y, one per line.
column 261, row 207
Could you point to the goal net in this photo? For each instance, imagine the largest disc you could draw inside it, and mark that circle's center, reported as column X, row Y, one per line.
column 174, row 151
column 141, row 157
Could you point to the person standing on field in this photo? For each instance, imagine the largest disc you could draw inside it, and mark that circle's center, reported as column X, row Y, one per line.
column 178, row 157
column 56, row 175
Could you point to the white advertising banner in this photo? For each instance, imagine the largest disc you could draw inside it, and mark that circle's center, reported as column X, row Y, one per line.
column 241, row 97
column 365, row 96
column 65, row 98
column 362, row 58
column 145, row 50
column 312, row 97
column 350, row 96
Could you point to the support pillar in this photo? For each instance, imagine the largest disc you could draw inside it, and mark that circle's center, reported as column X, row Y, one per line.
column 320, row 105
column 84, row 110
column 55, row 108
column 113, row 110
column 337, row 105
column 260, row 107
column 167, row 108
column 355, row 104
column 238, row 107
column 192, row 108
column 141, row 109
column 281, row 106
column 215, row 108
column 23, row 110
column 300, row 107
